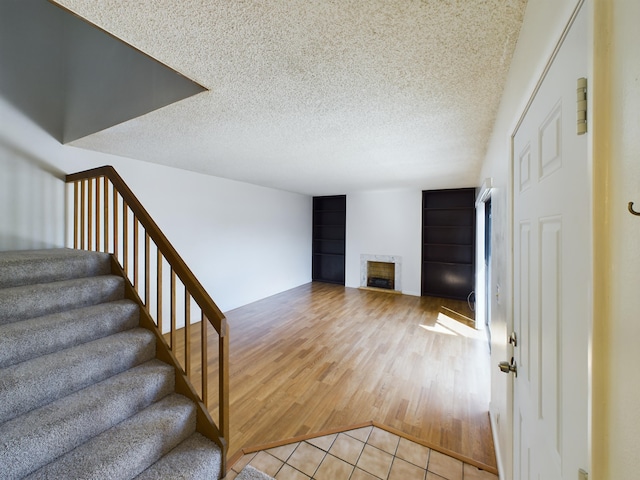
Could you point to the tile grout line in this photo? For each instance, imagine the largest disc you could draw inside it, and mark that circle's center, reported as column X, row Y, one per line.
column 335, row 456
column 366, row 442
column 326, row 452
column 287, row 460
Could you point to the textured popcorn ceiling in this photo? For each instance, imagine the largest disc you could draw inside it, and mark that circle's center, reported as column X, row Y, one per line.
column 318, row 96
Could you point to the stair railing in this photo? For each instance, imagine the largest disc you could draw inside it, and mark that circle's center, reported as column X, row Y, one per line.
column 107, row 217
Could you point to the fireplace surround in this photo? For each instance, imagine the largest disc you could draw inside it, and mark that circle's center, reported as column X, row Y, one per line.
column 381, row 271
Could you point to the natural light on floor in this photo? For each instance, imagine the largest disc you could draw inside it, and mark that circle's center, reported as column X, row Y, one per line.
column 449, row 326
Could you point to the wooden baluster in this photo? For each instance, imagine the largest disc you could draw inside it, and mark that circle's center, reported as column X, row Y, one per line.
column 90, row 217
column 76, row 220
column 98, row 200
column 187, row 333
column 82, row 213
column 105, row 213
column 115, row 221
column 159, row 299
column 125, row 237
column 173, row 309
column 136, row 259
column 223, row 379
column 203, row 360
column 147, row 270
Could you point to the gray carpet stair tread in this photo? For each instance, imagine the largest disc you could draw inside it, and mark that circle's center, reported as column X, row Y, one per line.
column 36, row 438
column 82, row 395
column 39, row 381
column 42, row 266
column 21, row 341
column 130, row 447
column 250, row 473
column 195, row 458
column 29, row 301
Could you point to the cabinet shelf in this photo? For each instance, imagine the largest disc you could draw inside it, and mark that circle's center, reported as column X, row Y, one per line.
column 448, row 209
column 449, row 226
column 328, row 246
column 448, row 242
column 446, row 263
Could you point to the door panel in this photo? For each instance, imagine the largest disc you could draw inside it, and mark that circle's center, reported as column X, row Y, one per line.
column 550, row 365
column 525, row 312
column 552, row 274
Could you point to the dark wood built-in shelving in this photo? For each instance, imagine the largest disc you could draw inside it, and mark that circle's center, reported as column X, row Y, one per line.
column 448, row 242
column 329, row 227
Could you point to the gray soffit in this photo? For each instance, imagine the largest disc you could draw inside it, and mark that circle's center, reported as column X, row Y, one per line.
column 318, row 97
column 74, row 79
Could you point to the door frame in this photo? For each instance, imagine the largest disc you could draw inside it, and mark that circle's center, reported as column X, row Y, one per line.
column 481, row 293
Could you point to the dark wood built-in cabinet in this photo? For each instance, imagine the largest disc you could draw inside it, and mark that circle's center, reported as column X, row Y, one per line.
column 329, row 227
column 448, row 242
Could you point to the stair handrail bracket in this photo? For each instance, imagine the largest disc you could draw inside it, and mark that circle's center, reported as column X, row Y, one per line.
column 108, row 217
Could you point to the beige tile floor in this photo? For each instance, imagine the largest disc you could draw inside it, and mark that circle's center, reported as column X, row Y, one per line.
column 368, row 453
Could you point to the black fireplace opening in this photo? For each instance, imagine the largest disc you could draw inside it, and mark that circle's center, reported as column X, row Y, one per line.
column 380, row 283
column 381, row 275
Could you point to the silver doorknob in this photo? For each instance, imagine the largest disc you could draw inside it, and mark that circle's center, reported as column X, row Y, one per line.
column 507, row 367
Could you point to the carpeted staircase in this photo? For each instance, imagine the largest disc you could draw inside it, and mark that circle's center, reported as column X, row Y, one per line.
column 82, row 395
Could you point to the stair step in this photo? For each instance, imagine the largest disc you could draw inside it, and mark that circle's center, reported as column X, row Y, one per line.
column 21, row 341
column 33, row 440
column 44, row 379
column 42, row 266
column 196, row 457
column 130, row 447
column 251, row 473
column 29, row 301
column 81, row 393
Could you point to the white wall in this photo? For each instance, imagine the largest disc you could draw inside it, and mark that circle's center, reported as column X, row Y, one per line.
column 542, row 27
column 244, row 242
column 32, row 201
column 385, row 223
column 31, row 73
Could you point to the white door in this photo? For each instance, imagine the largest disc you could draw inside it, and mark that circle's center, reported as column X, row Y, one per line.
column 552, row 283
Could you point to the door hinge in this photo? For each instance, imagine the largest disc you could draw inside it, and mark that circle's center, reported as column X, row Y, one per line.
column 582, row 475
column 582, row 106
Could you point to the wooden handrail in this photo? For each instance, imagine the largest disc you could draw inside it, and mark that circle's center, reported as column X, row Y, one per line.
column 200, row 295
column 87, row 213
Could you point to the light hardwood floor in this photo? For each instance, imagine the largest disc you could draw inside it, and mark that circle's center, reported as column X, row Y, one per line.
column 322, row 357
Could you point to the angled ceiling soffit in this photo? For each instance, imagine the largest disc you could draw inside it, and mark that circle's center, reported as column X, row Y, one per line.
column 74, row 79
